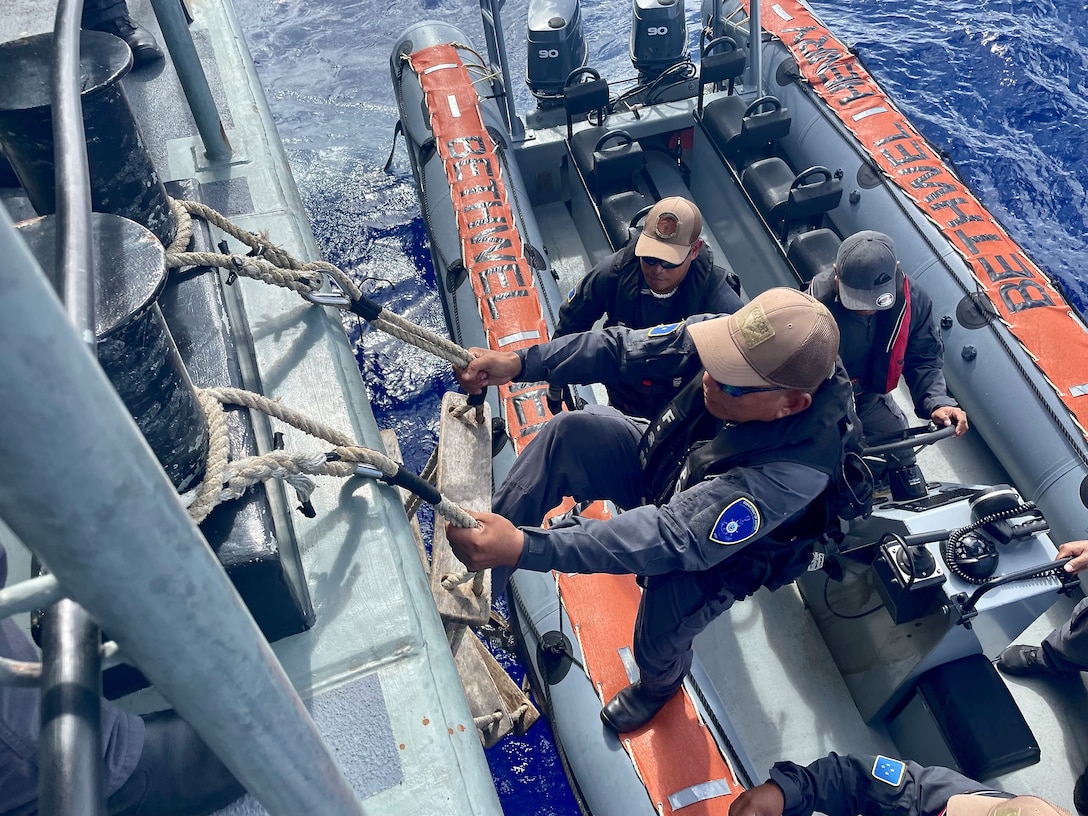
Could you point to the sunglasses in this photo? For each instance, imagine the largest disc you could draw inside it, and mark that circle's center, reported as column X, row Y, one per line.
column 661, row 263
column 741, row 390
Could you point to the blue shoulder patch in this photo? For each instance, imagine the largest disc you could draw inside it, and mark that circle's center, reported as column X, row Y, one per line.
column 737, row 523
column 664, row 329
column 889, row 770
column 570, row 294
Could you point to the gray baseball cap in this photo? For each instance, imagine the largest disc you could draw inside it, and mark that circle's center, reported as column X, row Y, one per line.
column 866, row 268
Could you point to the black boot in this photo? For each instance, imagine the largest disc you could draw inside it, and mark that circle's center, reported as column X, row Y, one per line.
column 632, row 708
column 113, row 18
column 1080, row 794
column 177, row 775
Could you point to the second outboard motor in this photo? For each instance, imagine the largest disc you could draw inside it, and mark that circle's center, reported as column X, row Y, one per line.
column 556, row 46
column 659, row 36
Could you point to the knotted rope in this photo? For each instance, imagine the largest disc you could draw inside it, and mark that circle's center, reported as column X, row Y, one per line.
column 267, row 262
column 272, row 264
column 225, row 480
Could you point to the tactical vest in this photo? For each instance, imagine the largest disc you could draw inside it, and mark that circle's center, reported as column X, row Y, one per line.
column 685, row 445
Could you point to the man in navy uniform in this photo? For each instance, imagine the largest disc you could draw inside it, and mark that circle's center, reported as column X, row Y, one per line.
column 661, row 277
column 879, row 786
column 724, row 490
column 886, row 331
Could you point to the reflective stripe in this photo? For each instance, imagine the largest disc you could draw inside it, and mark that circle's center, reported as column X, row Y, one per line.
column 699, row 793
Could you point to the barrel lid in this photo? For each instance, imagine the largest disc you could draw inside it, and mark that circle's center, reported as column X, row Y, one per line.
column 27, row 67
column 130, row 265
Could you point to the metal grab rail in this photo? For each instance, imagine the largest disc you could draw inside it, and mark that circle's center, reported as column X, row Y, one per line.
column 69, row 747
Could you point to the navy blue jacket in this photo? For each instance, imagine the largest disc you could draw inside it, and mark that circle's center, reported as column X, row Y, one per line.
column 616, row 290
column 675, row 536
column 857, row 786
column 861, row 344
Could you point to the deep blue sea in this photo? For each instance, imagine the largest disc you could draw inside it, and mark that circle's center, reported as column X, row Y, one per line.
column 1002, row 87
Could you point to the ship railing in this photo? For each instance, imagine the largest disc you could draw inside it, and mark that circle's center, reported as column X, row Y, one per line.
column 90, row 500
column 490, row 15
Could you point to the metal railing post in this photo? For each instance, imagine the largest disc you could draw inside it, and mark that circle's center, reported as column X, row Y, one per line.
column 179, row 42
column 496, row 51
column 95, row 506
column 755, row 46
column 70, row 745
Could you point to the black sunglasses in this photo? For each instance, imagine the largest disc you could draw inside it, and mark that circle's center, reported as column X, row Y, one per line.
column 741, row 390
column 661, row 263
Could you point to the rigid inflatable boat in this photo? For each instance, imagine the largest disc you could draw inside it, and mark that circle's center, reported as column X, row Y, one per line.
column 787, row 146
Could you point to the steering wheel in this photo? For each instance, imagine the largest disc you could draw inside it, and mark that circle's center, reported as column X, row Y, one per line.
column 920, row 436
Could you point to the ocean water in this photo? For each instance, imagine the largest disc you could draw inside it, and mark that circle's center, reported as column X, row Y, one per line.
column 1001, row 87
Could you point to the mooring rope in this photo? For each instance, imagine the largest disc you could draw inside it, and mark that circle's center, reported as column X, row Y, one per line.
column 272, row 264
column 225, row 480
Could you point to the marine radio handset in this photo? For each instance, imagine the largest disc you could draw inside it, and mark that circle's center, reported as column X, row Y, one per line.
column 970, row 552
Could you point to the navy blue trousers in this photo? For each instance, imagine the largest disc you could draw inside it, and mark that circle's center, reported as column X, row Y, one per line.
column 593, row 454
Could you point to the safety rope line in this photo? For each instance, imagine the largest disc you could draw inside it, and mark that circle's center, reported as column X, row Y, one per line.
column 428, row 475
column 271, row 264
column 226, row 480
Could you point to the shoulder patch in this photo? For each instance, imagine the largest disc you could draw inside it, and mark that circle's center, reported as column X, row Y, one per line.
column 570, row 294
column 889, row 771
column 664, row 329
column 737, row 523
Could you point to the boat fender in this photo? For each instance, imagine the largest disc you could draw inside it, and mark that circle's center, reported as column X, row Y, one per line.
column 554, row 656
column 398, row 129
column 499, row 436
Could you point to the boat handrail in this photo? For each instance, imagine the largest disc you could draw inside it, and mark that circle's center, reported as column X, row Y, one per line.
column 71, row 731
column 499, row 58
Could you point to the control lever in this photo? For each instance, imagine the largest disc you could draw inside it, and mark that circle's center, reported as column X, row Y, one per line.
column 965, row 606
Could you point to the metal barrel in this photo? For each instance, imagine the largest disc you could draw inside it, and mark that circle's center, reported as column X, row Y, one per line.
column 123, row 179
column 135, row 347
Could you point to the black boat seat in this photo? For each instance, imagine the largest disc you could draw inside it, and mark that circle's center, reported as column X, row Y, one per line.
column 621, row 212
column 746, row 132
column 584, row 96
column 581, row 97
column 608, row 162
column 785, row 198
column 813, row 252
column 976, row 720
column 720, row 61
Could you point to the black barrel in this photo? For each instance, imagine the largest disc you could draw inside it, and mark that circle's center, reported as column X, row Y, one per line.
column 123, row 179
column 135, row 346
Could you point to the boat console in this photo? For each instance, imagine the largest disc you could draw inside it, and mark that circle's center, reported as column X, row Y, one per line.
column 918, row 599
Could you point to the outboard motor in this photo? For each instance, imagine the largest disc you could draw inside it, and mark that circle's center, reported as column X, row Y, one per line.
column 659, row 36
column 556, row 46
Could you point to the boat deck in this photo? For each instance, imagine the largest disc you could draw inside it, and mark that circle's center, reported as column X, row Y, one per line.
column 375, row 671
